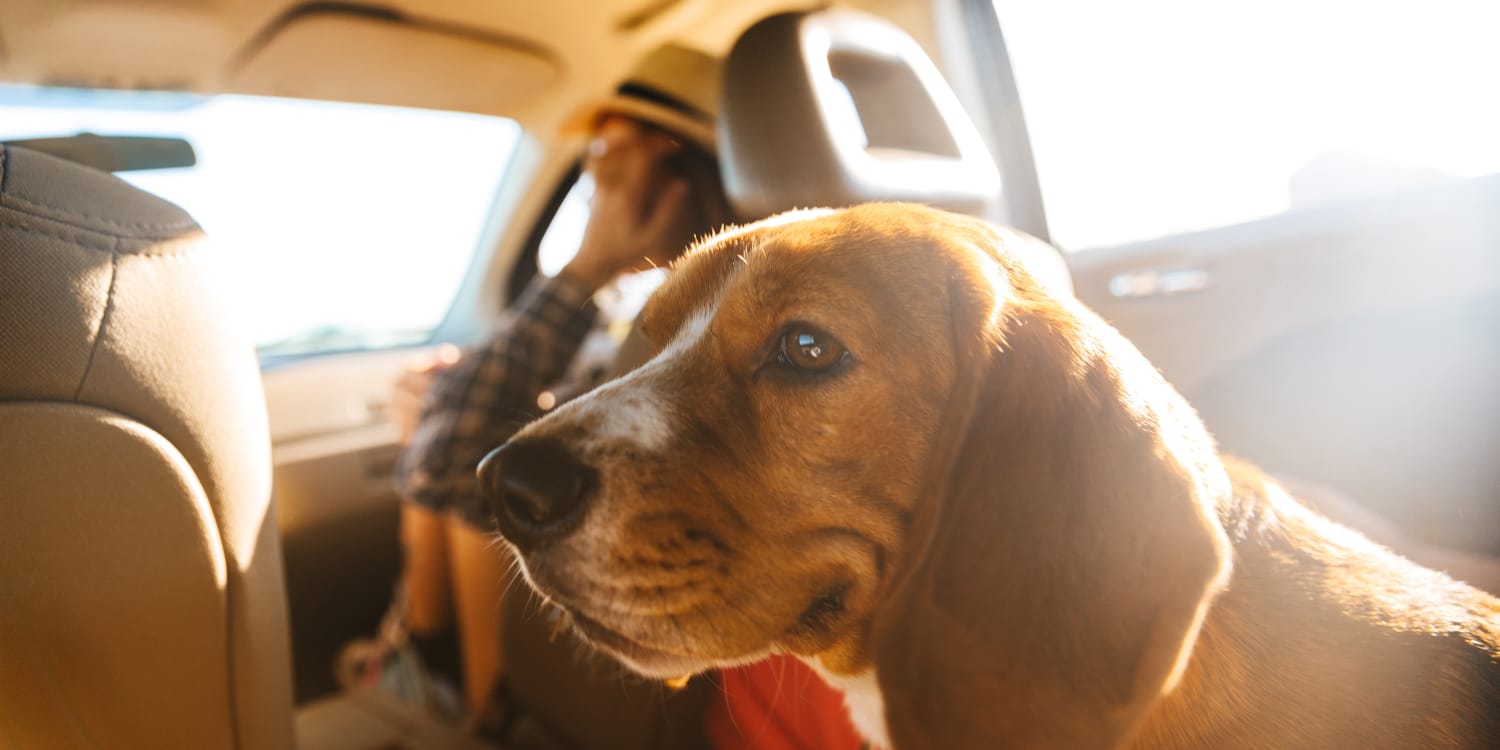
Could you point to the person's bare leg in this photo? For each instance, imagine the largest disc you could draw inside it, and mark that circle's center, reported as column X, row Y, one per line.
column 481, row 567
column 425, row 572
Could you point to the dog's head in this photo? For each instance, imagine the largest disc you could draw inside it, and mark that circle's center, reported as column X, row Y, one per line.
column 873, row 436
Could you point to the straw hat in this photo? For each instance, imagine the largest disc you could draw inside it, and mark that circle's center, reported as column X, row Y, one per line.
column 673, row 87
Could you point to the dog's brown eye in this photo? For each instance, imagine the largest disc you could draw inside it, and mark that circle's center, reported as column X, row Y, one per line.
column 807, row 348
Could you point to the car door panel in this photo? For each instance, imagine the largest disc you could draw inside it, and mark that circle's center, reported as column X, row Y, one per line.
column 334, row 450
column 1356, row 345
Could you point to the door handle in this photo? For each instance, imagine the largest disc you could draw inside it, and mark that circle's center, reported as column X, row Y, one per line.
column 1158, row 282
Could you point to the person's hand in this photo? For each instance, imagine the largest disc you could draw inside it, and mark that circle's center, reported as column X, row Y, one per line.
column 405, row 407
column 639, row 214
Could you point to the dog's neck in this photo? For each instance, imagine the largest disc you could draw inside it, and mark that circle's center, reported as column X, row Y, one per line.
column 862, row 699
column 846, row 666
column 1275, row 649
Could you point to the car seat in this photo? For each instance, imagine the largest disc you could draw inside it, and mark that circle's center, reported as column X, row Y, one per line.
column 141, row 593
column 142, row 600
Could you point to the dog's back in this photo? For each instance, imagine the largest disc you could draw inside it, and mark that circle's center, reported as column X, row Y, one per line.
column 1324, row 639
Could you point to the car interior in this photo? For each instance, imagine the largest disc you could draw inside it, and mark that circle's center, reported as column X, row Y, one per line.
column 196, row 506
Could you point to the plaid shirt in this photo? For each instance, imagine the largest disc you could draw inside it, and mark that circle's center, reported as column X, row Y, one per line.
column 490, row 394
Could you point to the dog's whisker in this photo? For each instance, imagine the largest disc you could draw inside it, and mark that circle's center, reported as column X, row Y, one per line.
column 513, row 574
column 676, row 627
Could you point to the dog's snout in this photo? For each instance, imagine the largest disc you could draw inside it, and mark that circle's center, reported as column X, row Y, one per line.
column 537, row 488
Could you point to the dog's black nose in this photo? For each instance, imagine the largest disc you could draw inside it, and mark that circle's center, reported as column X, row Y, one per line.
column 537, row 488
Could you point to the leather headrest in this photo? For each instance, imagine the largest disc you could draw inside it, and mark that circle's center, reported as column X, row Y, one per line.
column 837, row 107
column 111, row 297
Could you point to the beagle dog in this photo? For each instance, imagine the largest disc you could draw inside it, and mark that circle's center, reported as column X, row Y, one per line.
column 873, row 438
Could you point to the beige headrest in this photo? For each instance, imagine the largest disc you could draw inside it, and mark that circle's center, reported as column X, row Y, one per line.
column 112, row 303
column 838, row 107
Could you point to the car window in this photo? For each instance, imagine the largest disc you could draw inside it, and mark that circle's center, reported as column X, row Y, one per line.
column 565, row 231
column 350, row 226
column 1160, row 117
column 620, row 301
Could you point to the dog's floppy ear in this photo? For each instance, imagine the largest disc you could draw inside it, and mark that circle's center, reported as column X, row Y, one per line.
column 1054, row 582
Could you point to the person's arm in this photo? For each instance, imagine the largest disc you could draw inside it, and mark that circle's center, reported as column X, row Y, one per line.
column 637, row 215
column 490, row 392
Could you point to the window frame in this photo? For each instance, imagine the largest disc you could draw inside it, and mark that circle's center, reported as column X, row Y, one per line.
column 156, row 106
column 525, row 268
column 1022, row 190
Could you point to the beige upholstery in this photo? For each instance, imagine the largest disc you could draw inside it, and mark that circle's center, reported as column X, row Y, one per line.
column 784, row 145
column 141, row 594
column 789, row 139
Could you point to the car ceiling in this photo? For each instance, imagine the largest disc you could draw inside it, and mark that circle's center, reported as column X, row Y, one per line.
column 529, row 60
